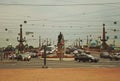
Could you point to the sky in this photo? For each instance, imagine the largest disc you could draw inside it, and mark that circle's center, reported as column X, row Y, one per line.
column 47, row 18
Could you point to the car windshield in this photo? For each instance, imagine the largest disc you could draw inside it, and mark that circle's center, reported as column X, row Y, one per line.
column 25, row 55
column 50, row 48
column 89, row 55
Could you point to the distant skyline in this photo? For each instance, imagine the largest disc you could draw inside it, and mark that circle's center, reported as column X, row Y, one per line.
column 46, row 18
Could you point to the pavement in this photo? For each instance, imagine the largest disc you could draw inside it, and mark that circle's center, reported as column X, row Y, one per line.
column 51, row 59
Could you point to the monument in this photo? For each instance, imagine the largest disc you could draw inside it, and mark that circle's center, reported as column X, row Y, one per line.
column 60, row 45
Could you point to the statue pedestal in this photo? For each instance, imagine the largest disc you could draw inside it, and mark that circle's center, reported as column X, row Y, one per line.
column 60, row 52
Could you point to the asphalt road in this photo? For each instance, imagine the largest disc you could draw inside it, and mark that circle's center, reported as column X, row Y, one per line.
column 51, row 63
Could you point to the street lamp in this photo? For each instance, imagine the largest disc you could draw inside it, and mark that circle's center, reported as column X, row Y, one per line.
column 104, row 44
column 21, row 40
column 44, row 66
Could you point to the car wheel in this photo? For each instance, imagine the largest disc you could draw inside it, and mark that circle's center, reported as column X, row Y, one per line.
column 79, row 60
column 111, row 59
column 75, row 59
column 96, row 61
column 116, row 59
column 84, row 60
column 101, row 57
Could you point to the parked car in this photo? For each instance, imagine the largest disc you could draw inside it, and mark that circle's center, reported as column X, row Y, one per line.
column 115, row 56
column 87, row 52
column 86, row 58
column 50, row 49
column 104, row 55
column 75, row 52
column 23, row 57
column 68, row 50
column 32, row 54
column 12, row 56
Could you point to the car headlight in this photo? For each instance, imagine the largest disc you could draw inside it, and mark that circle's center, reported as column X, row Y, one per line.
column 29, row 57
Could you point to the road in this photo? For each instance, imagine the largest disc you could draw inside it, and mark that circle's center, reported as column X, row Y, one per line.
column 52, row 63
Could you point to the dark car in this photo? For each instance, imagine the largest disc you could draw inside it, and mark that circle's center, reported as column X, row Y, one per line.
column 86, row 58
column 104, row 55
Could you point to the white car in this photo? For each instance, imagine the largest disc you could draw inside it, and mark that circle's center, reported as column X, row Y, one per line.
column 24, row 57
column 75, row 52
column 50, row 49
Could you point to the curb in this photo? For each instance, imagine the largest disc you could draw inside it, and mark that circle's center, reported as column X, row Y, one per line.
column 7, row 62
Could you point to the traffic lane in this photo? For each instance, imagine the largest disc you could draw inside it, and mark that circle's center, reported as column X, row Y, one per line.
column 38, row 63
column 70, row 64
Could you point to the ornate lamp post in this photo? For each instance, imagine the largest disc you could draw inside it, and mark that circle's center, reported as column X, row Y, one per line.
column 21, row 40
column 104, row 45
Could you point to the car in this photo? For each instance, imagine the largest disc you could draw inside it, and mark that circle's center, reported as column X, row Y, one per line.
column 115, row 56
column 32, row 54
column 76, row 56
column 67, row 51
column 12, row 56
column 87, row 52
column 104, row 55
column 93, row 58
column 86, row 58
column 75, row 52
column 50, row 49
column 23, row 57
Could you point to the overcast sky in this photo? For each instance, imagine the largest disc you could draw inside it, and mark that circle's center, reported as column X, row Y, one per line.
column 49, row 17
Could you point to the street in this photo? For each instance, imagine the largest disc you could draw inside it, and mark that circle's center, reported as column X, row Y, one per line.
column 55, row 63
